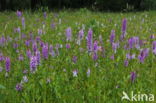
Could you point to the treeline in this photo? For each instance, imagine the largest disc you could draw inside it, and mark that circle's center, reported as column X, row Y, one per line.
column 111, row 5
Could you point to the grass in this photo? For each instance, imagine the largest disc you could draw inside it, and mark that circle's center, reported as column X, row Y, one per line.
column 108, row 78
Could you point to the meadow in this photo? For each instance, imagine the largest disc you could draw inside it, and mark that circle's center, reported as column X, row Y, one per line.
column 76, row 56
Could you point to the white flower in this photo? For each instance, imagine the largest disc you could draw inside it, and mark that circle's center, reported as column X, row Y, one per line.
column 25, row 79
column 75, row 72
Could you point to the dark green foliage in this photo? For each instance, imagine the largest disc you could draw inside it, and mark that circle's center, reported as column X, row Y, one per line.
column 112, row 5
column 148, row 4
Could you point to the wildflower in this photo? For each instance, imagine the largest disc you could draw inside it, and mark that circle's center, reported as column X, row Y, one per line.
column 102, row 48
column 15, row 45
column 126, row 62
column 1, row 57
column 53, row 25
column 17, row 51
column 117, row 86
column 34, row 46
column 9, row 39
column 30, row 36
column 133, row 76
column 130, row 41
column 64, row 70
column 41, row 44
column 152, row 36
column 6, row 75
column 27, row 43
column 45, row 51
column 23, row 22
column 28, row 54
column 20, row 58
column 81, row 50
column 128, row 56
column 90, row 40
column 19, row 87
column 74, row 59
column 100, row 38
column 67, row 46
column 57, row 49
column 25, row 71
column 48, row 80
column 68, row 34
column 83, row 26
column 154, row 47
column 25, row 79
column 38, row 57
column 112, row 57
column 2, row 41
column 19, row 13
column 96, row 64
column 124, row 26
column 38, row 38
column 23, row 36
column 18, row 30
column 80, row 36
column 137, row 42
column 60, row 21
column 112, row 36
column 95, row 49
column 143, row 54
column 61, row 46
column 45, row 15
column 33, row 63
column 88, row 72
column 7, row 64
column 133, row 56
column 115, row 46
column 134, row 41
column 75, row 72
column 52, row 53
column 40, row 32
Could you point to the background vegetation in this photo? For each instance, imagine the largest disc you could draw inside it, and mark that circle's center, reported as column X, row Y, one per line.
column 104, row 5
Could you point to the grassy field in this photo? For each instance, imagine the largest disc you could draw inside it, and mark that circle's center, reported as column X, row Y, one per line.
column 73, row 57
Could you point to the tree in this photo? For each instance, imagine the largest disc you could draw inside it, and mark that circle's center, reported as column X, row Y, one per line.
column 3, row 4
